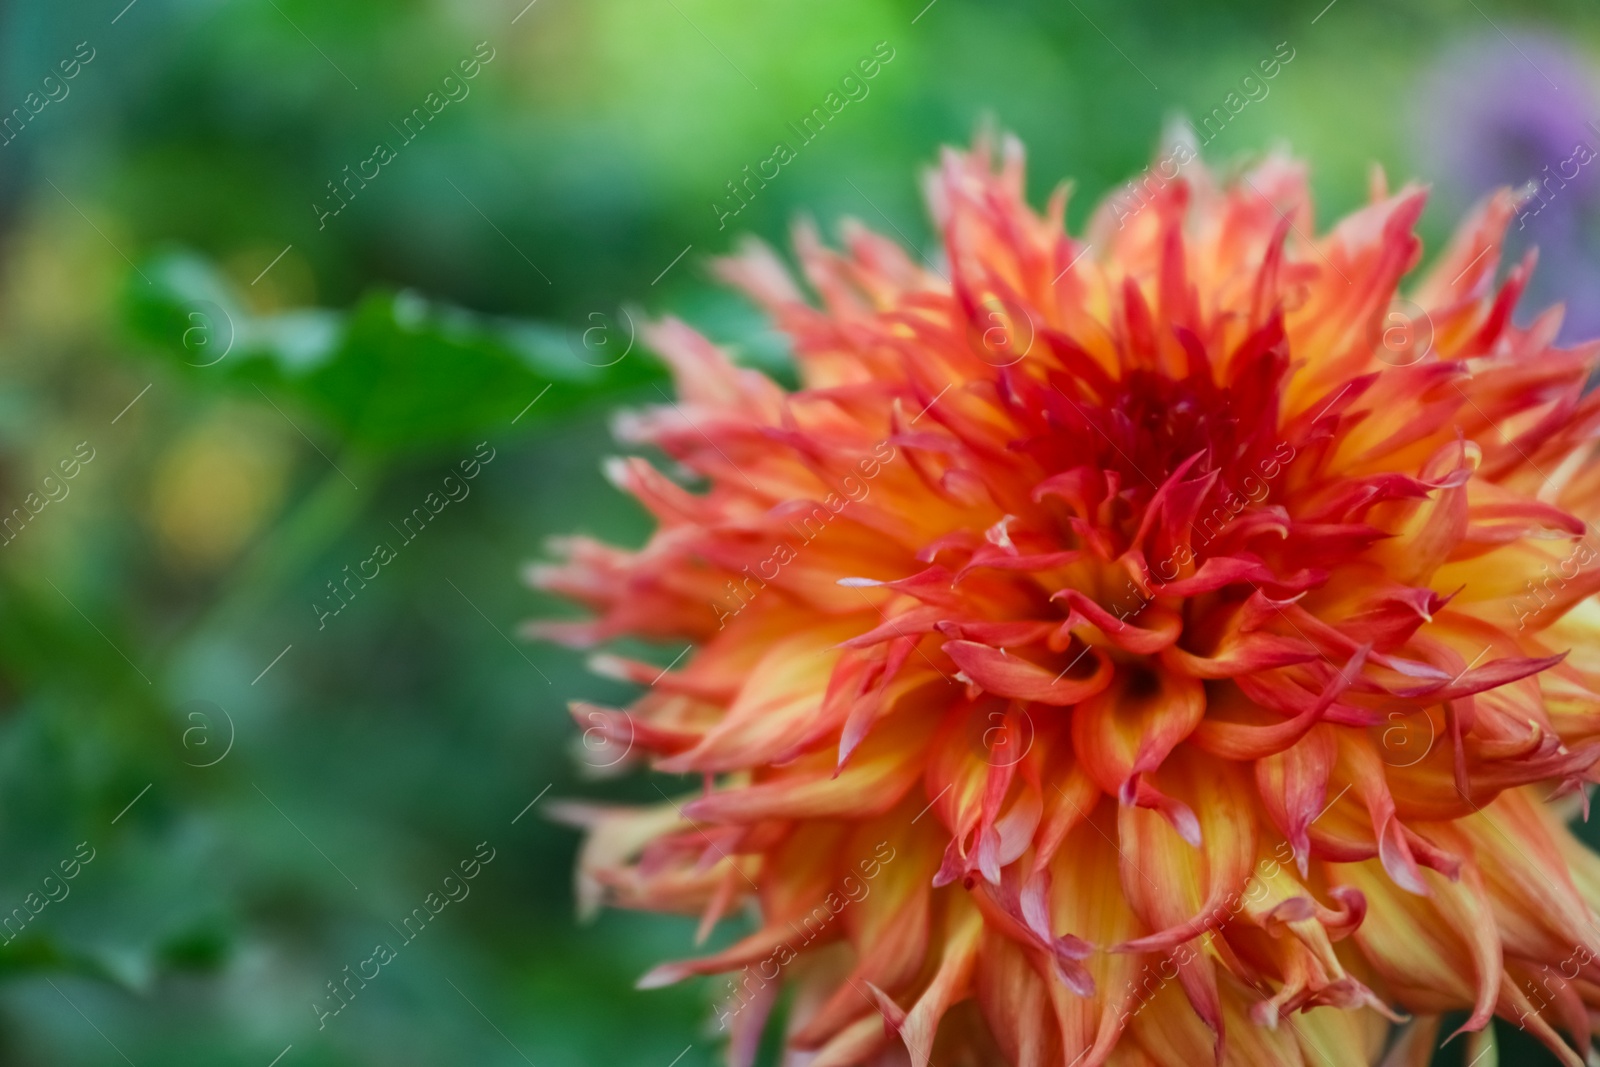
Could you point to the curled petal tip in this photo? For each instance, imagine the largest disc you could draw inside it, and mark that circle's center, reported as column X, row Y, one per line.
column 661, row 976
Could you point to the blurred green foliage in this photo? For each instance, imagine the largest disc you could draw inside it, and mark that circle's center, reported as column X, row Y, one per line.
column 164, row 213
column 396, row 375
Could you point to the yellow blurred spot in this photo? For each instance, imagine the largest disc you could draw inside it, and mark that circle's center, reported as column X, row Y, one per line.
column 213, row 489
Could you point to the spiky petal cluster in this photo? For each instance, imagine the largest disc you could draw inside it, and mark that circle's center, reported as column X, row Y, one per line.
column 1152, row 649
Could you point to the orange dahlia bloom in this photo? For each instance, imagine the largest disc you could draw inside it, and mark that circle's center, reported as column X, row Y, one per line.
column 1165, row 647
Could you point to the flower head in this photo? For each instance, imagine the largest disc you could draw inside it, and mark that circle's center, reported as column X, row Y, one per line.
column 1154, row 648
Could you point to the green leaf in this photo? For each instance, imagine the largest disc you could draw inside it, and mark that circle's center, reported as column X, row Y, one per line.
column 36, row 954
column 398, row 373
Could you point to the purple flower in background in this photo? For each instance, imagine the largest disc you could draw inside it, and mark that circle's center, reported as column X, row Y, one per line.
column 1524, row 112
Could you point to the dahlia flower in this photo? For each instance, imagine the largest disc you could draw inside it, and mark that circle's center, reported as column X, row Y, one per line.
column 1166, row 647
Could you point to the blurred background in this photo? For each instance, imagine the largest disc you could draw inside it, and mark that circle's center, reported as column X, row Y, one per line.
column 274, row 269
